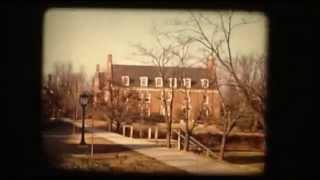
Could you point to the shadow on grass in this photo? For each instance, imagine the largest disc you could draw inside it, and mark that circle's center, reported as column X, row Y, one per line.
column 245, row 159
column 101, row 148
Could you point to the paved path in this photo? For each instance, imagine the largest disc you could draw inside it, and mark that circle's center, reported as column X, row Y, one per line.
column 187, row 161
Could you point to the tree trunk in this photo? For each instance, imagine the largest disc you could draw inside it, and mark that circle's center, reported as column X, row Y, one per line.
column 75, row 118
column 140, row 132
column 187, row 134
column 186, row 141
column 224, row 136
column 110, row 125
column 170, row 118
column 255, row 125
column 222, row 146
column 117, row 126
column 169, row 136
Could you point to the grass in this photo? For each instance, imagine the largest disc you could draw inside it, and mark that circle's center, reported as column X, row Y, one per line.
column 66, row 153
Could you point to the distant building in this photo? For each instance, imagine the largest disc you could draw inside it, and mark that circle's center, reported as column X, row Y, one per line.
column 147, row 82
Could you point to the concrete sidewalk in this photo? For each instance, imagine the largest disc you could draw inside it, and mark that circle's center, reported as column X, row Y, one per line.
column 190, row 162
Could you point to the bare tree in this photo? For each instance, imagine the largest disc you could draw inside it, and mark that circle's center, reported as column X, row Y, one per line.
column 215, row 35
column 121, row 105
column 65, row 85
column 252, row 73
column 161, row 56
column 182, row 53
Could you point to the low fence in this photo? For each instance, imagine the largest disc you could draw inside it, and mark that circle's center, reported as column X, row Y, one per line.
column 211, row 141
column 151, row 130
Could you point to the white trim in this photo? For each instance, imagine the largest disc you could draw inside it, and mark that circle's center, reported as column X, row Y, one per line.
column 156, row 79
column 168, row 89
column 204, row 83
column 206, row 101
column 143, row 81
column 174, row 82
column 185, row 84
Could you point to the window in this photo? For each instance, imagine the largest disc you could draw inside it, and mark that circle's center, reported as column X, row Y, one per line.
column 144, row 81
column 173, row 82
column 187, row 82
column 125, row 80
column 205, row 99
column 159, row 82
column 148, row 98
column 141, row 96
column 187, row 101
column 106, row 96
column 186, row 108
column 168, row 96
column 204, row 83
column 188, row 97
column 163, row 110
column 148, row 111
column 205, row 111
column 145, row 97
column 145, row 100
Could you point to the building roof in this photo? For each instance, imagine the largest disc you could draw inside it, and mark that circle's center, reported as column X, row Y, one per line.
column 135, row 72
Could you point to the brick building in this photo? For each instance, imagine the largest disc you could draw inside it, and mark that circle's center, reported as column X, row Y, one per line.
column 200, row 95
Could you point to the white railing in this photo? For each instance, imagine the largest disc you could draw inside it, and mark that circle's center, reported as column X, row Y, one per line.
column 194, row 142
column 155, row 136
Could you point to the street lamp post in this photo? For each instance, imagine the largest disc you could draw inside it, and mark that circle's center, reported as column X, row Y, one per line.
column 84, row 100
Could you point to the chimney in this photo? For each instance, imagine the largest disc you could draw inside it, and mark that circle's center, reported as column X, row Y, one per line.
column 97, row 68
column 210, row 63
column 96, row 79
column 109, row 67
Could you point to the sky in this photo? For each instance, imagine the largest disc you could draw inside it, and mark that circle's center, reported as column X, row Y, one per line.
column 85, row 37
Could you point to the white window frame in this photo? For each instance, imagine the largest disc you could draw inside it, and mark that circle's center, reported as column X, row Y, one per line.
column 169, row 95
column 158, row 79
column 141, row 95
column 148, row 97
column 107, row 96
column 207, row 112
column 173, row 82
column 144, row 79
column 123, row 80
column 206, row 101
column 204, row 83
column 185, row 80
column 163, row 111
column 148, row 111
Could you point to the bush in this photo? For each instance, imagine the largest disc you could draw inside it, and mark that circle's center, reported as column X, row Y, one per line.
column 244, row 124
column 155, row 118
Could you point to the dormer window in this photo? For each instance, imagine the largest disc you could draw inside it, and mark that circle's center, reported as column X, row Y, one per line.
column 159, row 82
column 173, row 82
column 144, row 81
column 125, row 80
column 187, row 82
column 204, row 83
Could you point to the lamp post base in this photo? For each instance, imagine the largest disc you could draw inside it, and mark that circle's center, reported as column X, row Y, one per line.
column 83, row 142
